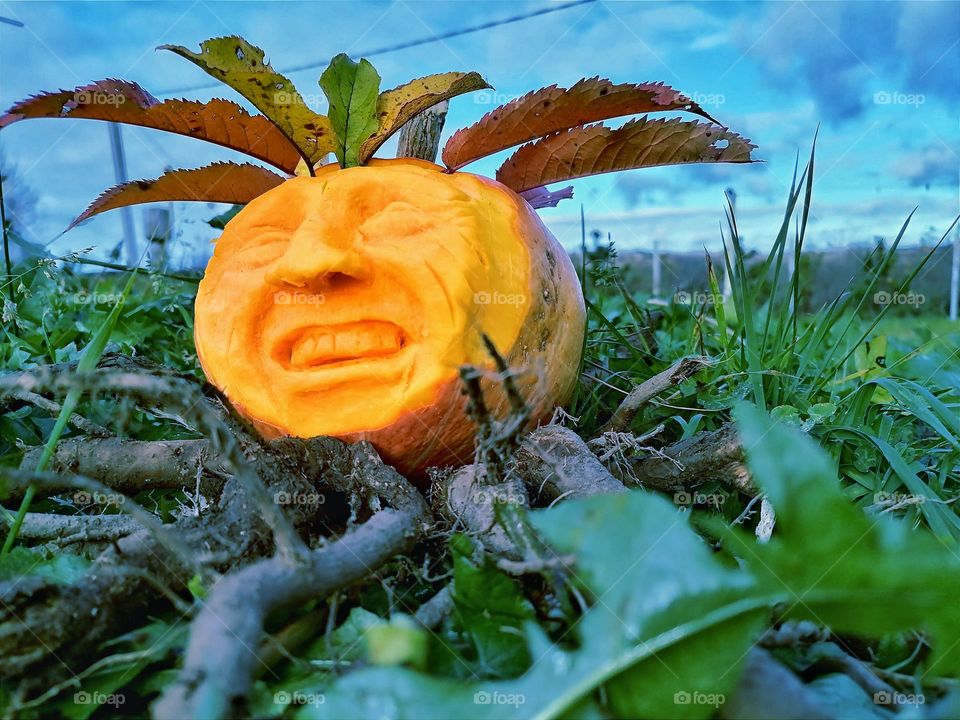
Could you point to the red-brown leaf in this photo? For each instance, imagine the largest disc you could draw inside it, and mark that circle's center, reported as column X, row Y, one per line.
column 220, row 182
column 639, row 143
column 219, row 121
column 553, row 109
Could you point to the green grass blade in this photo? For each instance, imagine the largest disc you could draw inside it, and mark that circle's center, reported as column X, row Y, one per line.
column 88, row 361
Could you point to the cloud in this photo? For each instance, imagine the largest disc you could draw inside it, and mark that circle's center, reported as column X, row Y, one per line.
column 934, row 165
column 840, row 53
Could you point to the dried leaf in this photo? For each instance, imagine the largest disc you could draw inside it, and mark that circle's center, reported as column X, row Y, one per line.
column 220, row 182
column 398, row 106
column 241, row 65
column 596, row 149
column 541, row 197
column 553, row 109
column 219, row 121
column 351, row 89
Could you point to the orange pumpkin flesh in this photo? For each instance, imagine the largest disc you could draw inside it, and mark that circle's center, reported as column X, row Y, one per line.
column 344, row 305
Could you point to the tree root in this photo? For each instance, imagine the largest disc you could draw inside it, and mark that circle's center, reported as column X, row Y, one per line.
column 642, row 394
column 131, row 466
column 220, row 663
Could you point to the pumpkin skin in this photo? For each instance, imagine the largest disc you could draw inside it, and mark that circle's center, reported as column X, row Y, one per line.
column 344, row 304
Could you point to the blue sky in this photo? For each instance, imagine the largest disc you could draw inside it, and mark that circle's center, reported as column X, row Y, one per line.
column 881, row 79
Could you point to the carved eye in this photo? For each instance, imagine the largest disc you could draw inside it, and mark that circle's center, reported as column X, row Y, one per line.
column 261, row 249
column 397, row 221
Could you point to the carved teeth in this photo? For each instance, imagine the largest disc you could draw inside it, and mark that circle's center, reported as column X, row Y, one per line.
column 341, row 343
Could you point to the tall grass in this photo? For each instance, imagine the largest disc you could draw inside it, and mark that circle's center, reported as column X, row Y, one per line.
column 893, row 432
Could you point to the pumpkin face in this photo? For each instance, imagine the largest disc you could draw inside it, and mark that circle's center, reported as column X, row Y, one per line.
column 344, row 305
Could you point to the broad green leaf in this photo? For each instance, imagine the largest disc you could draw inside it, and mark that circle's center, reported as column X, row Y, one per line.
column 242, row 66
column 491, row 609
column 840, row 567
column 398, row 642
column 62, row 569
column 656, row 628
column 351, row 89
column 397, row 106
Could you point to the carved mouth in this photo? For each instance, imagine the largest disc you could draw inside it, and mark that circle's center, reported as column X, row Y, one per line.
column 324, row 345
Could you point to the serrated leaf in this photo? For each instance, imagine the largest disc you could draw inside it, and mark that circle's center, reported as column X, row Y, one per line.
column 856, row 573
column 218, row 121
column 219, row 182
column 352, row 89
column 242, row 66
column 553, row 108
column 596, row 149
column 398, row 106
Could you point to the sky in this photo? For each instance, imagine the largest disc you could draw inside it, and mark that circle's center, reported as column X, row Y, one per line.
column 881, row 81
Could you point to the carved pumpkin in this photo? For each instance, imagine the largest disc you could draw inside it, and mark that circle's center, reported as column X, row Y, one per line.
column 344, row 304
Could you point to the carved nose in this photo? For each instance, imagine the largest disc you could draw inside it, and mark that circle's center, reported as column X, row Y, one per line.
column 316, row 251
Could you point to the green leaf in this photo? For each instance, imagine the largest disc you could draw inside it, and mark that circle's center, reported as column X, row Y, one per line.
column 62, row 569
column 491, row 609
column 657, row 627
column 88, row 361
column 351, row 89
column 242, row 66
column 397, row 106
column 855, row 573
column 220, row 221
column 398, row 642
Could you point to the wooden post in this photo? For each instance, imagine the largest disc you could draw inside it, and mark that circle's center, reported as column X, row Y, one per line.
column 158, row 225
column 420, row 137
column 126, row 214
column 955, row 274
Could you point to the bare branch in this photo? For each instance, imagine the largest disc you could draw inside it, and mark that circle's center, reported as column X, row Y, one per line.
column 642, row 394
column 220, row 661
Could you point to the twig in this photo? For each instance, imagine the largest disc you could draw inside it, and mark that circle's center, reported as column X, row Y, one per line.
column 533, row 567
column 674, row 375
column 131, row 466
column 176, row 393
column 77, row 420
column 434, row 610
column 173, row 544
column 220, row 662
column 69, row 529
